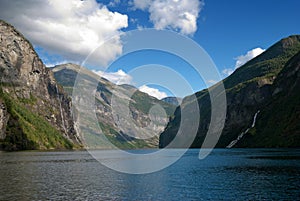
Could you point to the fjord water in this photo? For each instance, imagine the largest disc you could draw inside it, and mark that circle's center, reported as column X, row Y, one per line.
column 226, row 174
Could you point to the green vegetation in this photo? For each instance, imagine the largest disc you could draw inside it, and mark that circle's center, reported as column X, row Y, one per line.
column 249, row 89
column 26, row 130
column 139, row 105
column 31, row 101
column 278, row 124
column 143, row 102
column 110, row 137
column 268, row 64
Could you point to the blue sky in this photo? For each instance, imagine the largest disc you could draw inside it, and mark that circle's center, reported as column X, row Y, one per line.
column 231, row 32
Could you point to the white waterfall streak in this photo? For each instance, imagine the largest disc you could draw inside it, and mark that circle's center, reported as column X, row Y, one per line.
column 61, row 111
column 254, row 119
column 232, row 143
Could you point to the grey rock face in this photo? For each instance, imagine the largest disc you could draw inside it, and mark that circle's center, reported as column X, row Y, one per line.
column 24, row 77
column 172, row 100
column 121, row 125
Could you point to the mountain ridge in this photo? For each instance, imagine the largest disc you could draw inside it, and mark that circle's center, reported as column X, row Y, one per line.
column 136, row 123
column 247, row 90
column 36, row 109
column 36, row 112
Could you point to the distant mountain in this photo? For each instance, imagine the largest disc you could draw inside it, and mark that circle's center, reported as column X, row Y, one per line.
column 138, row 123
column 35, row 112
column 263, row 104
column 264, row 91
column 172, row 100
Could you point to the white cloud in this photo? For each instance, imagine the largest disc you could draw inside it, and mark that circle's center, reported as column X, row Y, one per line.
column 227, row 71
column 242, row 59
column 141, row 4
column 153, row 92
column 114, row 3
column 71, row 28
column 119, row 77
column 212, row 82
column 180, row 15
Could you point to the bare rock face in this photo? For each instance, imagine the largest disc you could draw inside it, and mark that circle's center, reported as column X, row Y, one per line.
column 24, row 77
column 135, row 128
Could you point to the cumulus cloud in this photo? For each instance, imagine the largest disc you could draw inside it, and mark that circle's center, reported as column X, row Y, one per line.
column 119, row 77
column 242, row 59
column 153, row 92
column 71, row 28
column 227, row 71
column 179, row 15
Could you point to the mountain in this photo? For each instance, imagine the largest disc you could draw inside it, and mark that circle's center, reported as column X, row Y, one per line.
column 38, row 113
column 135, row 128
column 35, row 113
column 278, row 124
column 264, row 92
column 172, row 100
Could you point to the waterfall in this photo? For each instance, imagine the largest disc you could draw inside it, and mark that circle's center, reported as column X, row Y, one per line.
column 254, row 119
column 232, row 143
column 61, row 111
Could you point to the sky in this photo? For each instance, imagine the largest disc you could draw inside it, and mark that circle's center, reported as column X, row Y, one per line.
column 96, row 34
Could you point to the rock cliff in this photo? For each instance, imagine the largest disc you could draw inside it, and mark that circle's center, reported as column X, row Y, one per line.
column 30, row 101
column 135, row 129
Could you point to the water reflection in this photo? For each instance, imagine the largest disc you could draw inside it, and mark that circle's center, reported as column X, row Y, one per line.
column 242, row 174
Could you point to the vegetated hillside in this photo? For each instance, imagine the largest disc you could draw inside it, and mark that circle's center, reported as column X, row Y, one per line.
column 34, row 111
column 278, row 124
column 250, row 89
column 123, row 130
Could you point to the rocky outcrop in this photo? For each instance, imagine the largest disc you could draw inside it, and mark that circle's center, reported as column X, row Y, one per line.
column 249, row 89
column 132, row 128
column 172, row 100
column 25, row 79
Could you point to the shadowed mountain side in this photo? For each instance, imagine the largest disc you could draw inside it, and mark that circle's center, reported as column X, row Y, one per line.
column 251, row 88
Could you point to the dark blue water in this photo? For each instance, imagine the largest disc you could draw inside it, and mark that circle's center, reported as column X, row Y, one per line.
column 236, row 174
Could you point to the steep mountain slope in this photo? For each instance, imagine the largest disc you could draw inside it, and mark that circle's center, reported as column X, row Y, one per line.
column 278, row 124
column 123, row 135
column 248, row 90
column 35, row 112
column 172, row 100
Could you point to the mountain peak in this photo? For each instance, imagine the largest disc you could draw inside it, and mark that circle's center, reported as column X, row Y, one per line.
column 284, row 46
column 268, row 64
column 268, row 85
column 290, row 41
